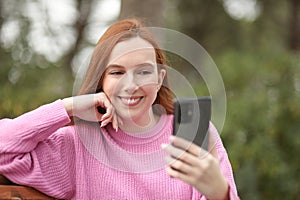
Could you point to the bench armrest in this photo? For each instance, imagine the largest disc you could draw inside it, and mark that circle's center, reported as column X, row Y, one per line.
column 10, row 190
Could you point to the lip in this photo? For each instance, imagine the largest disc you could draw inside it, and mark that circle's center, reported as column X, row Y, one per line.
column 131, row 101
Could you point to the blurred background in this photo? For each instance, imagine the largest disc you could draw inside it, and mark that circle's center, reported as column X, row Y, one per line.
column 254, row 43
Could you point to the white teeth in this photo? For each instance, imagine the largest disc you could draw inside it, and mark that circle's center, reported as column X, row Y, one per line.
column 130, row 101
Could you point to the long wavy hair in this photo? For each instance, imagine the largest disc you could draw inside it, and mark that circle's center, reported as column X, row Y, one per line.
column 118, row 32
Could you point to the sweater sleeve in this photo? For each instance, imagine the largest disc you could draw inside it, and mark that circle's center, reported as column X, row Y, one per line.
column 225, row 167
column 36, row 150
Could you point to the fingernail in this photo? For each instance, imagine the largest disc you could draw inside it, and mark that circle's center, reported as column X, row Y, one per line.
column 102, row 124
column 163, row 146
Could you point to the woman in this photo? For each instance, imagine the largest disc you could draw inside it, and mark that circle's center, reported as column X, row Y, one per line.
column 123, row 85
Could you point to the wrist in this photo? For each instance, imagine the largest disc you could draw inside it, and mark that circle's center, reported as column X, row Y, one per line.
column 224, row 192
column 68, row 104
column 220, row 190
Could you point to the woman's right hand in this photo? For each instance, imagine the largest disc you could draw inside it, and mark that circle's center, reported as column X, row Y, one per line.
column 85, row 107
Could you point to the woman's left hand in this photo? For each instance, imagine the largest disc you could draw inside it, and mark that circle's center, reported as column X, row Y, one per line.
column 197, row 167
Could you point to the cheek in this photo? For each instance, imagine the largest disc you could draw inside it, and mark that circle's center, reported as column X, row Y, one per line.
column 109, row 87
column 151, row 90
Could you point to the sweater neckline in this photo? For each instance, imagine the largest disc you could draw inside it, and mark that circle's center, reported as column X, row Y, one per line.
column 140, row 137
column 127, row 152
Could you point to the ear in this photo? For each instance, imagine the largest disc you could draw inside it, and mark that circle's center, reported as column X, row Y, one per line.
column 161, row 76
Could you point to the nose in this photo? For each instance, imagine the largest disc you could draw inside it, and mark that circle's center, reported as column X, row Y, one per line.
column 129, row 83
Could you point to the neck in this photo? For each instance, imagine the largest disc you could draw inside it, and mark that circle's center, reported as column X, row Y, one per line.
column 139, row 124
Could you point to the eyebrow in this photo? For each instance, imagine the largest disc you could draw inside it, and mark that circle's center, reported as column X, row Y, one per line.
column 114, row 66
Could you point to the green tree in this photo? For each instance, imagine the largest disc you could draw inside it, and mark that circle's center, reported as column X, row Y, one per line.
column 261, row 75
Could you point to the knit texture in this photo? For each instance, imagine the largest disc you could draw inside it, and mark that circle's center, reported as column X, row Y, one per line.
column 85, row 161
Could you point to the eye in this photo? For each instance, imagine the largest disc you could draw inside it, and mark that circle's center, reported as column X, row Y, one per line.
column 116, row 72
column 145, row 72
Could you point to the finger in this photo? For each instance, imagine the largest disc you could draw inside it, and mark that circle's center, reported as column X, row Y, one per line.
column 106, row 103
column 178, row 174
column 98, row 116
column 115, row 122
column 108, row 114
column 178, row 165
column 188, row 146
column 120, row 121
column 107, row 117
column 180, row 154
column 213, row 137
column 172, row 150
column 106, row 121
column 102, row 101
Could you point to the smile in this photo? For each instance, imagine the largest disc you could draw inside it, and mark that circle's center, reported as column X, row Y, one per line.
column 131, row 101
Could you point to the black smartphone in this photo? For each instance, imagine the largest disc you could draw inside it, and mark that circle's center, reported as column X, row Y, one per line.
column 191, row 119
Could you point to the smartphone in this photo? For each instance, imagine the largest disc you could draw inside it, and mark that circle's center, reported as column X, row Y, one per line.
column 191, row 119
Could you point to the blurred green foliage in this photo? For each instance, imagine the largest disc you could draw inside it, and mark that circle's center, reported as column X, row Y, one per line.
column 260, row 67
column 26, row 86
column 261, row 131
column 261, row 74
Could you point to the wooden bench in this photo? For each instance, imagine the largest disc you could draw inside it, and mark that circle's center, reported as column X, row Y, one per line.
column 10, row 190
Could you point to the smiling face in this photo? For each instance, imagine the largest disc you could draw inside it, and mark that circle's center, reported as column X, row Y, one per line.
column 132, row 80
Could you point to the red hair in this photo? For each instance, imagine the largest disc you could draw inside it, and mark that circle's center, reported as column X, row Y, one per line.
column 118, row 32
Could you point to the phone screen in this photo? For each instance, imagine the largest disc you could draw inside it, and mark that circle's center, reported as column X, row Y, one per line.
column 191, row 119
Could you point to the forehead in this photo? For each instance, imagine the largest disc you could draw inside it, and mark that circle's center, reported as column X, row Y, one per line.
column 133, row 49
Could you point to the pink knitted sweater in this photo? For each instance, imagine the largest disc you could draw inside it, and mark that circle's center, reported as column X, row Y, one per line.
column 84, row 161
